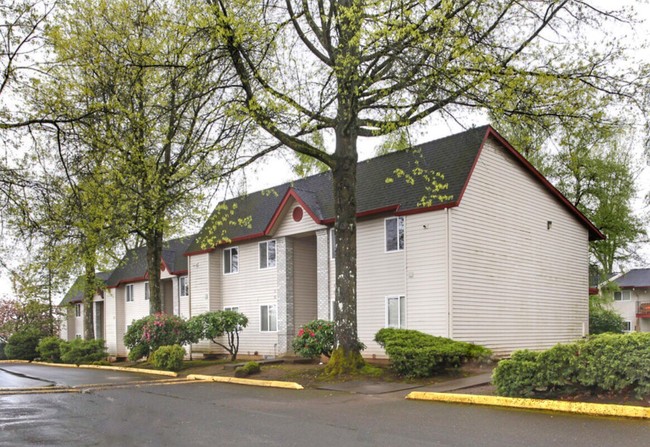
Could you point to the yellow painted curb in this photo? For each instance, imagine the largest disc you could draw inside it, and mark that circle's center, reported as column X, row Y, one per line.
column 63, row 365
column 14, row 361
column 134, row 370
column 252, row 382
column 155, row 372
column 627, row 411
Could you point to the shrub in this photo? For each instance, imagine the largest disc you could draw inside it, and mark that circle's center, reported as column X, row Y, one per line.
column 314, row 338
column 416, row 354
column 22, row 345
column 212, row 325
column 2, row 350
column 607, row 362
column 169, row 358
column 79, row 351
column 49, row 349
column 248, row 369
column 147, row 334
column 602, row 320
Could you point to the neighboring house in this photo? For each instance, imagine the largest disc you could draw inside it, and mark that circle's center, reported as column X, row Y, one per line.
column 74, row 309
column 127, row 293
column 126, row 296
column 502, row 261
column 632, row 301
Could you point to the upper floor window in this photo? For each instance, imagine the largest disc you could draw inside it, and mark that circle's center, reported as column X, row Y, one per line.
column 332, row 243
column 129, row 293
column 147, row 291
column 184, row 286
column 394, row 227
column 77, row 310
column 230, row 260
column 623, row 295
column 267, row 254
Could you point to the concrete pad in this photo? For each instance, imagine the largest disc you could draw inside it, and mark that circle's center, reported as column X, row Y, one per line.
column 364, row 387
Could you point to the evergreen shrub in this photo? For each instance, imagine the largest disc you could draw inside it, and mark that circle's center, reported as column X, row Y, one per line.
column 416, row 354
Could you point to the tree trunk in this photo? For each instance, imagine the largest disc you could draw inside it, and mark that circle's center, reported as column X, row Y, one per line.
column 154, row 260
column 90, row 287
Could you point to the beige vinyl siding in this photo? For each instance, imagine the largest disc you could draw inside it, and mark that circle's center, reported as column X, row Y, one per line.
column 516, row 284
column 211, row 289
column 139, row 307
column 304, row 280
column 379, row 274
column 288, row 227
column 426, row 273
column 110, row 317
column 200, row 278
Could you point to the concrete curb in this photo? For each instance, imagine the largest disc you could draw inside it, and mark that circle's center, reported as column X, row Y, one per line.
column 251, row 382
column 113, row 368
column 13, row 361
column 627, row 411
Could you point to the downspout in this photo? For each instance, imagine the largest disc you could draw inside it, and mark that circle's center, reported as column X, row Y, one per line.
column 450, row 332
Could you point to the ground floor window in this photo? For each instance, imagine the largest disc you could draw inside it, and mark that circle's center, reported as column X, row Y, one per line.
column 627, row 326
column 269, row 318
column 396, row 311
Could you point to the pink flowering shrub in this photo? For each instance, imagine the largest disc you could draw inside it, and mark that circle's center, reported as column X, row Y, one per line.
column 147, row 334
column 314, row 338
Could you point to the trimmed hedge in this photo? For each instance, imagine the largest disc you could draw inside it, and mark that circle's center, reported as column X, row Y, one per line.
column 49, row 349
column 79, row 351
column 22, row 345
column 601, row 363
column 416, row 354
column 169, row 358
column 248, row 369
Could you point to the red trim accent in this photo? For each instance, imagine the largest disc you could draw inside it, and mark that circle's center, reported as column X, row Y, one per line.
column 643, row 315
column 179, row 273
column 594, row 233
column 442, row 206
column 471, row 170
column 291, row 193
column 200, row 252
column 128, row 280
column 593, row 290
column 297, row 214
column 163, row 266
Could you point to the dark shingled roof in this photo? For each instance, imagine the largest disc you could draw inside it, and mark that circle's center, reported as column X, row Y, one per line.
column 634, row 278
column 453, row 157
column 133, row 266
column 76, row 292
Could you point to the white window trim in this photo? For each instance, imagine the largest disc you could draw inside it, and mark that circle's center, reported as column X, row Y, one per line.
column 627, row 324
column 623, row 295
column 276, row 318
column 259, row 255
column 77, row 310
column 400, row 297
column 187, row 286
column 397, row 218
column 147, row 292
column 126, row 293
column 224, row 260
column 236, row 308
column 332, row 245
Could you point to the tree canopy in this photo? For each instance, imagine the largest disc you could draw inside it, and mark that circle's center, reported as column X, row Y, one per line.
column 357, row 68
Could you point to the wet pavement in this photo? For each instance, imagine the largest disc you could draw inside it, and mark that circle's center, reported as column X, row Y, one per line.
column 25, row 375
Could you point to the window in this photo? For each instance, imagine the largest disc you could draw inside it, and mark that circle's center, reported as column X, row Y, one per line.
column 269, row 318
column 332, row 243
column 77, row 336
column 627, row 326
column 183, row 286
column 230, row 260
column 623, row 295
column 332, row 309
column 396, row 312
column 129, row 293
column 233, row 308
column 394, row 233
column 267, row 254
column 77, row 310
column 147, row 292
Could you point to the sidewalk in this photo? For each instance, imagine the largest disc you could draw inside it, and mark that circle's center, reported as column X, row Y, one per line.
column 366, row 387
